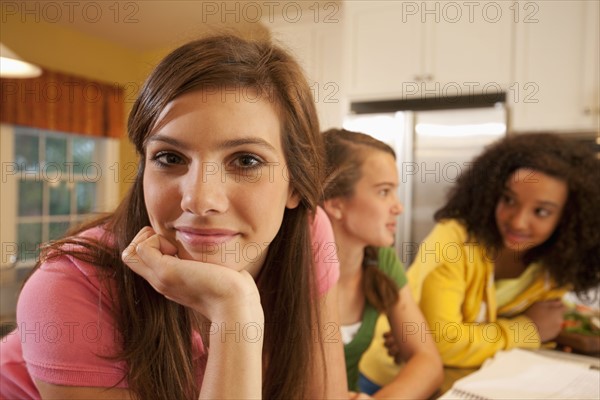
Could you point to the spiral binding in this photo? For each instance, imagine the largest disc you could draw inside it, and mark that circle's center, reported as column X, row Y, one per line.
column 461, row 394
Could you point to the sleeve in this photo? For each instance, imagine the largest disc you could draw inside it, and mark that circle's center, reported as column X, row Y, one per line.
column 462, row 343
column 428, row 256
column 66, row 328
column 326, row 264
column 453, row 284
column 391, row 265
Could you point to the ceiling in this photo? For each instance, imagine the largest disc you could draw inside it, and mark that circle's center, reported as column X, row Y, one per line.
column 154, row 24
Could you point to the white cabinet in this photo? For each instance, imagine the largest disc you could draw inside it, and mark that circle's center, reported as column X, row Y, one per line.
column 556, row 84
column 318, row 48
column 409, row 50
column 543, row 54
column 382, row 53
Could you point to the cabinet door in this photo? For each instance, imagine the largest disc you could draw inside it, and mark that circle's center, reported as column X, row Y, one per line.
column 556, row 64
column 471, row 48
column 318, row 49
column 409, row 50
column 591, row 72
column 385, row 52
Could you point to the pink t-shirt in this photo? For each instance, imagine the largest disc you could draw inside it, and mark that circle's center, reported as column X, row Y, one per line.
column 65, row 333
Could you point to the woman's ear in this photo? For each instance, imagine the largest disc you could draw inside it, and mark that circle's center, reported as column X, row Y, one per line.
column 293, row 199
column 334, row 207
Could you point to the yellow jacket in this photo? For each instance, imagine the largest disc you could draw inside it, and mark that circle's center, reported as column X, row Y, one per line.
column 452, row 280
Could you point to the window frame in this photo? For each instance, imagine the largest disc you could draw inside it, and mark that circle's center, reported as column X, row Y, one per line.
column 106, row 197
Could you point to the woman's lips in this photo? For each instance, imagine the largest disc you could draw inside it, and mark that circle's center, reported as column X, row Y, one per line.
column 514, row 237
column 204, row 237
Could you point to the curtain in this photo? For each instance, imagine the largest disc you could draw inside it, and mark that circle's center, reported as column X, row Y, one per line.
column 65, row 103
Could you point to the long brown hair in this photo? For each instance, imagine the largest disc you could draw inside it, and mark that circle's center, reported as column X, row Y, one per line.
column 346, row 152
column 160, row 361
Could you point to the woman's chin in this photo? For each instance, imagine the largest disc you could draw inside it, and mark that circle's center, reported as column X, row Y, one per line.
column 203, row 256
column 384, row 242
column 518, row 246
column 231, row 260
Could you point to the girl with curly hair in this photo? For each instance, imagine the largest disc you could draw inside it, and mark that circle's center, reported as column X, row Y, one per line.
column 519, row 229
column 204, row 282
column 360, row 199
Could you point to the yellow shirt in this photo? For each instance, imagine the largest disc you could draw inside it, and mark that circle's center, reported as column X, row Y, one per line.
column 452, row 280
column 508, row 289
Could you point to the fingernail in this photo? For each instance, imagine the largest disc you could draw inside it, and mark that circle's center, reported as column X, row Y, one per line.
column 129, row 250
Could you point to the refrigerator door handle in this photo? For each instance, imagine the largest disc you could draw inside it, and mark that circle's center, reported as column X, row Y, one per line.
column 406, row 167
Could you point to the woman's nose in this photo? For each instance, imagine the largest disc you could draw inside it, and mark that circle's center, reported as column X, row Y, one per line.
column 518, row 219
column 204, row 189
column 397, row 208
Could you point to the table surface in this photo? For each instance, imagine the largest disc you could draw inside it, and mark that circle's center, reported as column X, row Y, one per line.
column 451, row 375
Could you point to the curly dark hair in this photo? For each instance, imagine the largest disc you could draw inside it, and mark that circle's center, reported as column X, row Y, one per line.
column 572, row 253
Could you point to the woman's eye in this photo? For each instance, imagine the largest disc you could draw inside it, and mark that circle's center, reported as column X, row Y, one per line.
column 247, row 161
column 506, row 199
column 164, row 158
column 542, row 212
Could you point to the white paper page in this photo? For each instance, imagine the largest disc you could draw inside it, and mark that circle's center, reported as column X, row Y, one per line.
column 521, row 374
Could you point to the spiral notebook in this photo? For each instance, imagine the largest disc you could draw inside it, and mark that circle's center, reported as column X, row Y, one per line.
column 522, row 374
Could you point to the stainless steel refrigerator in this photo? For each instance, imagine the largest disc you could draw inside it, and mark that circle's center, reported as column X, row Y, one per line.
column 432, row 147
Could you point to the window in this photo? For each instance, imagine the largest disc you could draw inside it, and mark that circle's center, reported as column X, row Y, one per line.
column 53, row 181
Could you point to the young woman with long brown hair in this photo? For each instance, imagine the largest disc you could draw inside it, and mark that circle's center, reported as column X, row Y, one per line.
column 360, row 199
column 203, row 283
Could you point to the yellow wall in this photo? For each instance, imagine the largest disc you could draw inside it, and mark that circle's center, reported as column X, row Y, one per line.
column 60, row 48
